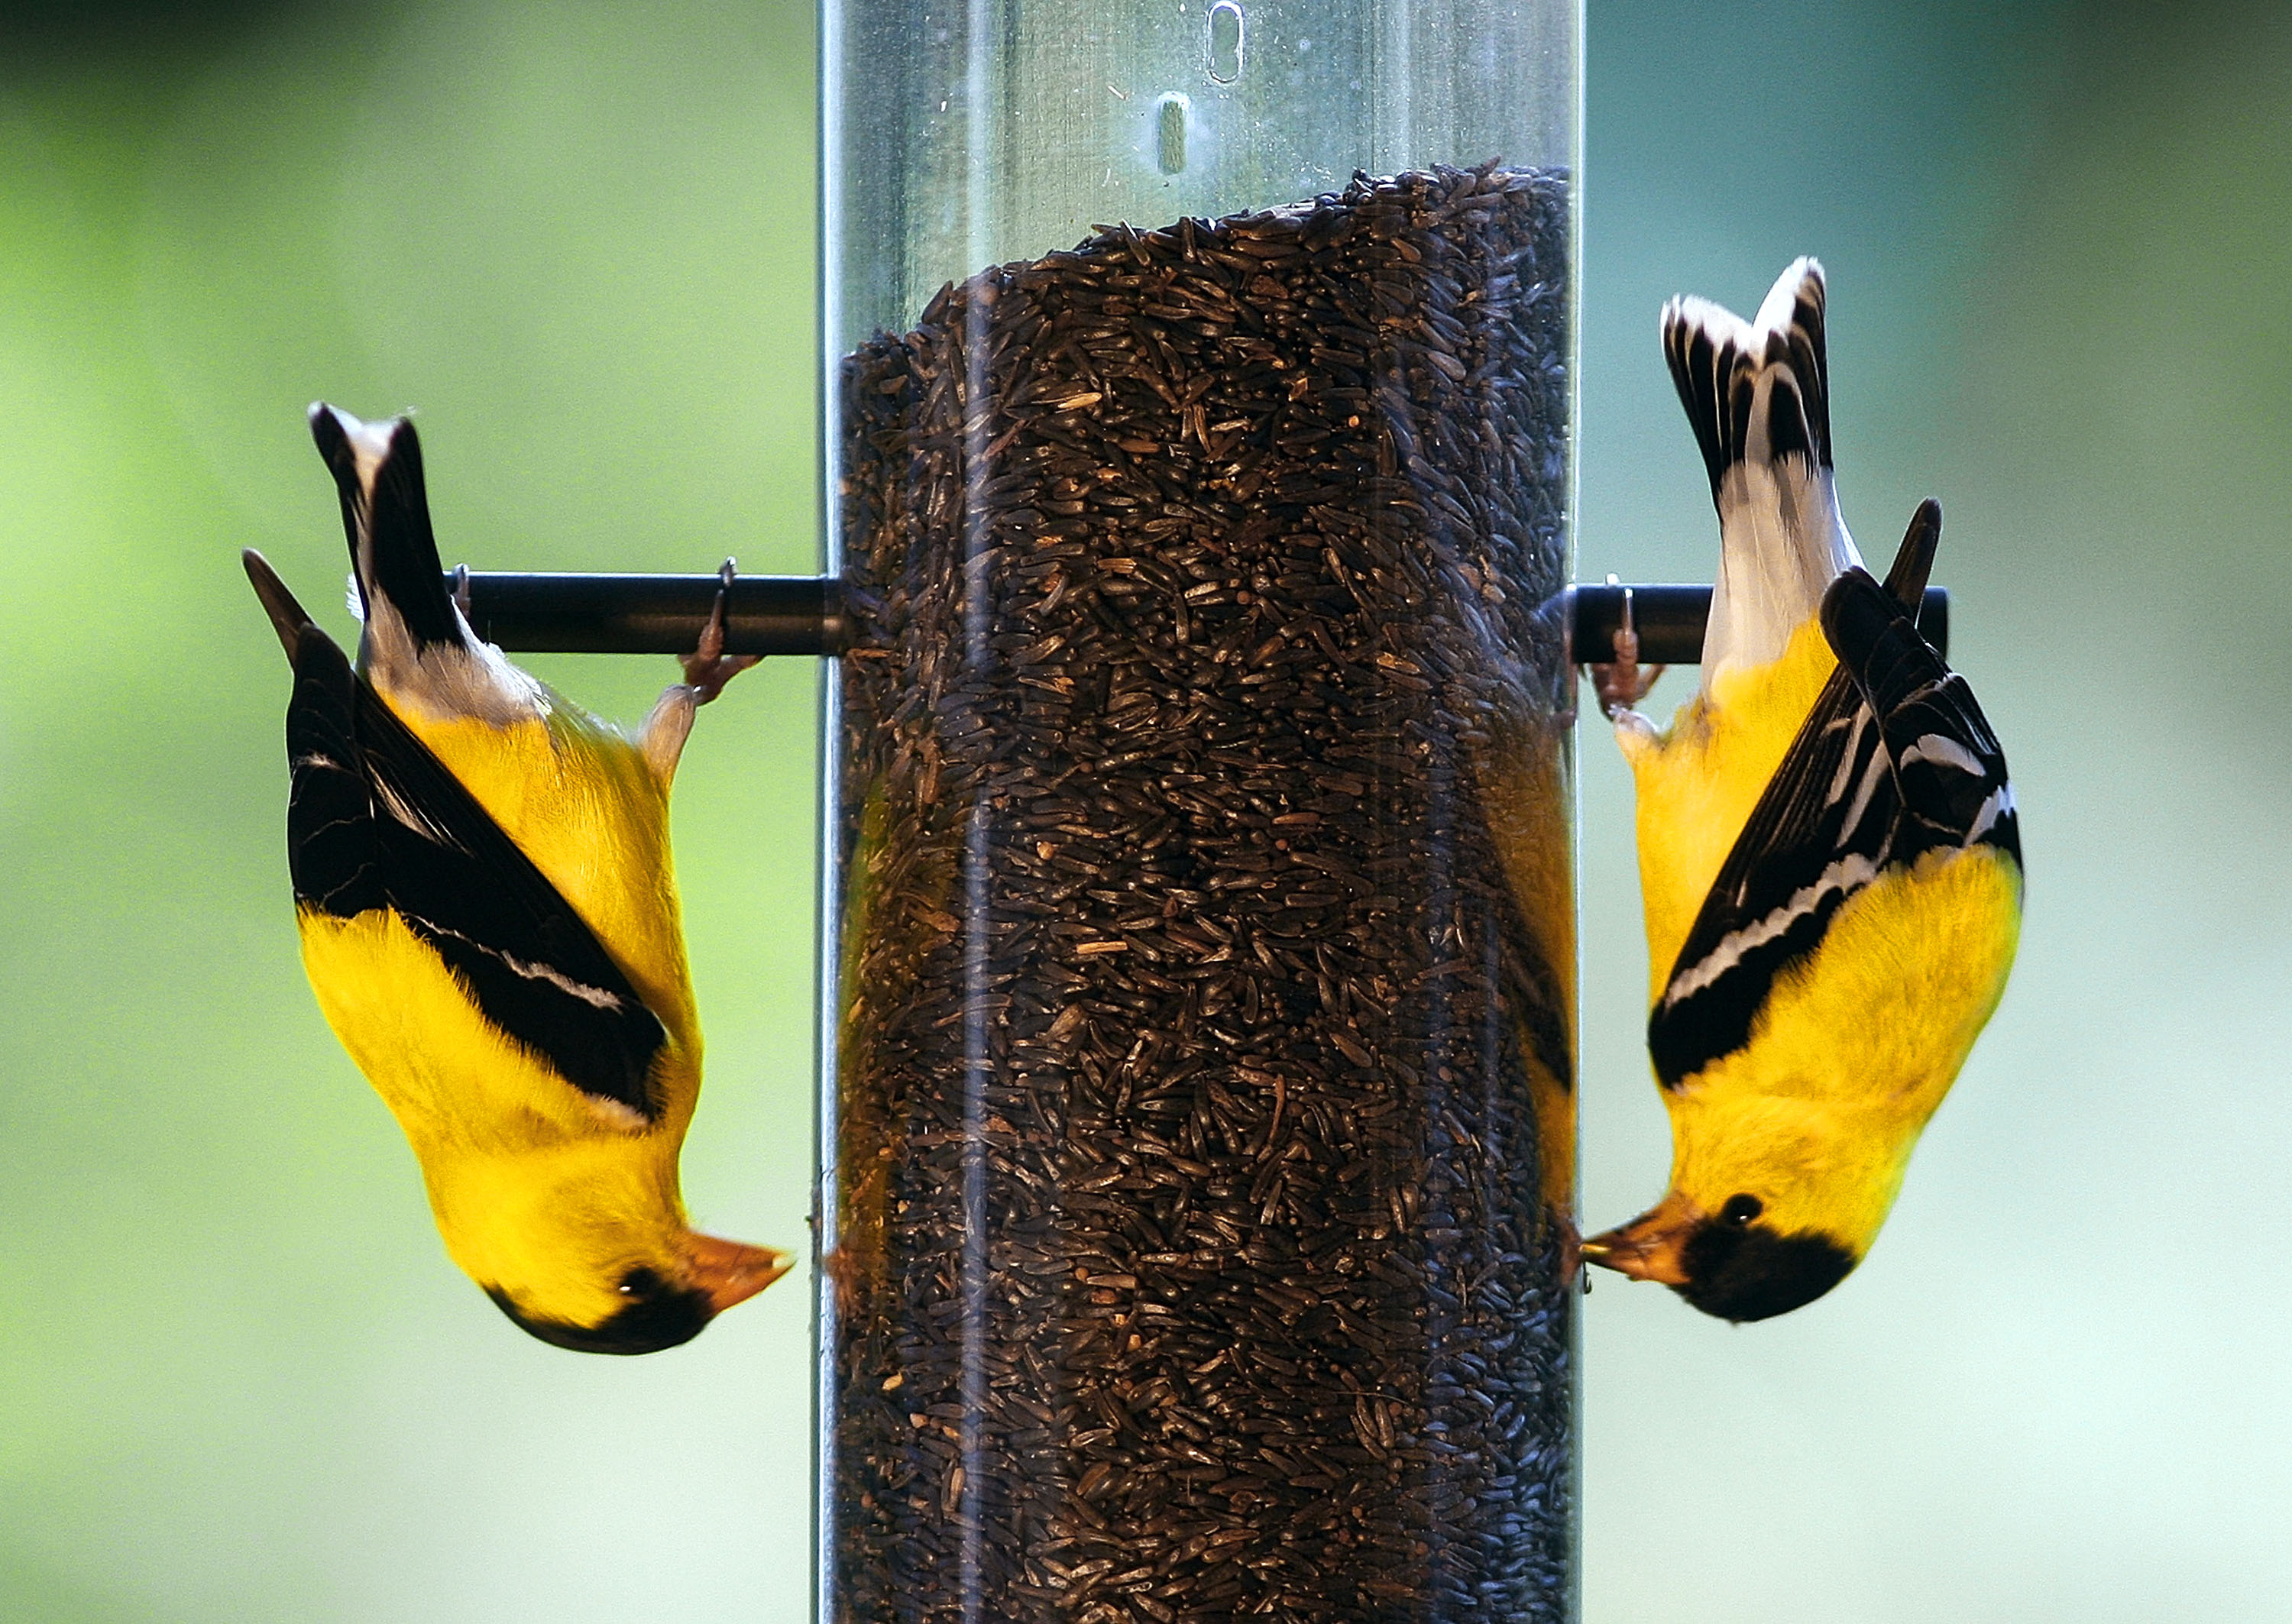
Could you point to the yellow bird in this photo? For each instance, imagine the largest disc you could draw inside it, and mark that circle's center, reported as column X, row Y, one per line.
column 1828, row 852
column 488, row 918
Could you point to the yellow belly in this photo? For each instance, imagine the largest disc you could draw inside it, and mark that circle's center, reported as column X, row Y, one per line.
column 529, row 1180
column 1697, row 781
column 578, row 798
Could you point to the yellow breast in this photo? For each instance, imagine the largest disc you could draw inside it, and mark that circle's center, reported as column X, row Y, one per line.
column 529, row 1180
column 456, row 1083
column 1698, row 782
column 1882, row 1014
column 1855, row 1049
column 578, row 798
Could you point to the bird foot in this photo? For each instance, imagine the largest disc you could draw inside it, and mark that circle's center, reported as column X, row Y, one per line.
column 708, row 668
column 1623, row 682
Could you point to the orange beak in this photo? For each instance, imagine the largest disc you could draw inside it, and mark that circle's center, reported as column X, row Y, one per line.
column 729, row 1272
column 1651, row 1246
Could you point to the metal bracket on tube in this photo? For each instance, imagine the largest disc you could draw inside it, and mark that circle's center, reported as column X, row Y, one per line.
column 803, row 615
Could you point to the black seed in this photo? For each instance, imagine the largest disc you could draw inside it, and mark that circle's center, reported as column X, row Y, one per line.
column 1207, row 1031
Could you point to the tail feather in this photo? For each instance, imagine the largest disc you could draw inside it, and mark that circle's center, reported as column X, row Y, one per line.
column 377, row 468
column 1757, row 390
column 1758, row 397
column 1906, row 579
column 417, row 649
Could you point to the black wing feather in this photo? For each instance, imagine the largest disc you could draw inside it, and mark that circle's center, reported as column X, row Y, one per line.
column 375, row 820
column 1786, row 875
column 1946, row 758
column 401, row 558
column 1895, row 758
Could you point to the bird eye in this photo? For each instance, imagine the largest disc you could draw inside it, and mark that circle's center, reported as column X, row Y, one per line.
column 639, row 1282
column 1740, row 1210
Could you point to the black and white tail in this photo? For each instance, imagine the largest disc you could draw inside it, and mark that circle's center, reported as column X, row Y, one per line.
column 1758, row 396
column 417, row 648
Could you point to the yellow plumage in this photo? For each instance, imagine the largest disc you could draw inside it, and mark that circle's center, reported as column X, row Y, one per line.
column 1828, row 854
column 526, row 1183
column 1855, row 1046
column 1695, row 783
column 584, row 801
column 529, row 1180
column 488, row 918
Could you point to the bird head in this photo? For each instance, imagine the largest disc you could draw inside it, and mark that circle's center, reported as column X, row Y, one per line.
column 1774, row 1201
column 598, row 1259
column 652, row 1305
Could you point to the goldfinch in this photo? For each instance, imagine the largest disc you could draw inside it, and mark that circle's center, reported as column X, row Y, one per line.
column 1828, row 852
column 487, row 917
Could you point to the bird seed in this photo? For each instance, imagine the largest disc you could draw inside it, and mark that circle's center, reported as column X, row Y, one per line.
column 1205, row 1062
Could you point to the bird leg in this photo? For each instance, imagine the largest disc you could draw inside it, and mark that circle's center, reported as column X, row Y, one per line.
column 1622, row 683
column 462, row 588
column 708, row 668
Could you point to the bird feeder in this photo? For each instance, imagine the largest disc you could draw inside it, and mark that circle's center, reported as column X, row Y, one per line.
column 1197, row 1116
column 1198, row 1087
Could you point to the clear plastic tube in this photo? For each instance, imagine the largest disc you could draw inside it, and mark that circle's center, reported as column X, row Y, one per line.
column 1198, row 1109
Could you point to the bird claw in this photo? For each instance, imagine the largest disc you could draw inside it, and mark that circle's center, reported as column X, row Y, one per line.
column 462, row 588
column 708, row 668
column 1622, row 683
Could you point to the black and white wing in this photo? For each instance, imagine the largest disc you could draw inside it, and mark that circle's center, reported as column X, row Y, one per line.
column 1894, row 759
column 1947, row 762
column 375, row 820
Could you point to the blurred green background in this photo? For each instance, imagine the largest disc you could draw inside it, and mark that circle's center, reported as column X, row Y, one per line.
column 237, row 1380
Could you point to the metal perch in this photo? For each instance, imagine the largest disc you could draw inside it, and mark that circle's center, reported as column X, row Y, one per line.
column 803, row 615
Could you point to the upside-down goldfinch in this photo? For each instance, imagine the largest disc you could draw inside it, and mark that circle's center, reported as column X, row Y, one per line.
column 1828, row 853
column 482, row 884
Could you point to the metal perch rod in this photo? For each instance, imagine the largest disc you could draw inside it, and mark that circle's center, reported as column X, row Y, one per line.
column 1670, row 621
column 763, row 615
column 803, row 615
